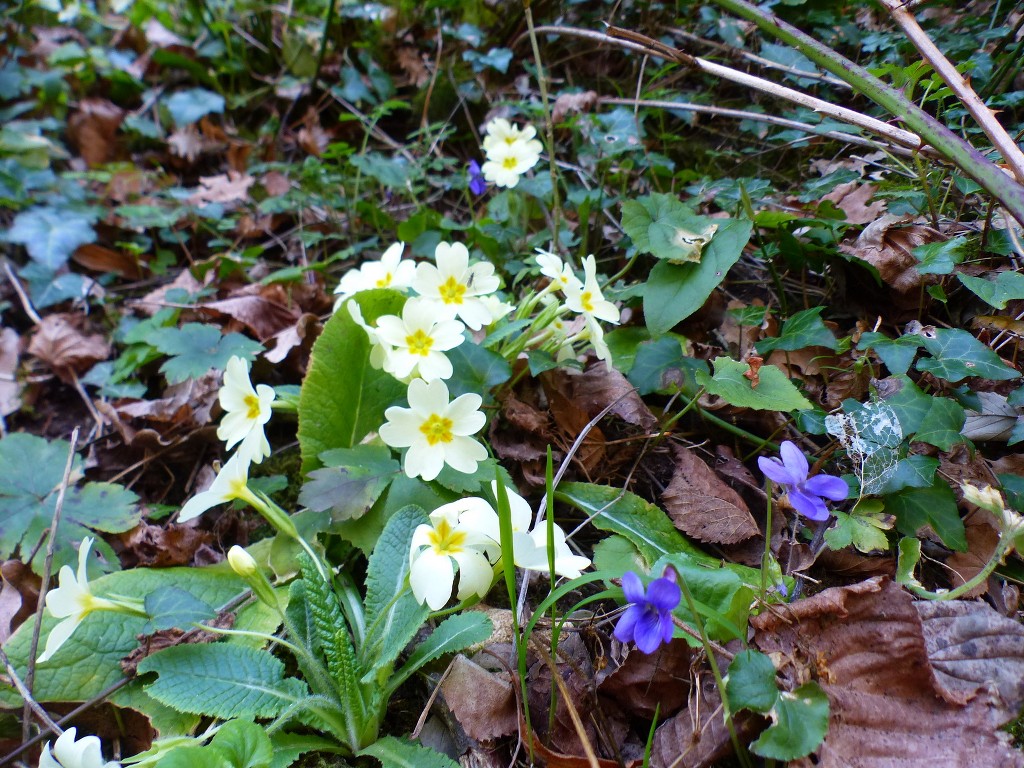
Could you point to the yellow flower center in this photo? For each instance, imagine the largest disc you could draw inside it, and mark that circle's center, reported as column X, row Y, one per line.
column 385, row 281
column 510, row 163
column 445, row 540
column 437, row 429
column 419, row 343
column 586, row 301
column 252, row 407
column 452, row 291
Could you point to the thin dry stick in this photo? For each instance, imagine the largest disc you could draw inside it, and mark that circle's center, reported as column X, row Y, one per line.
column 26, row 302
column 30, row 673
column 577, row 723
column 27, row 695
column 984, row 116
column 630, row 41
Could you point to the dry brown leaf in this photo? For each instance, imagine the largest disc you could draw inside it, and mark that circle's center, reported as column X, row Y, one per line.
column 972, row 648
column 301, row 334
column 572, row 104
column 155, row 546
column 92, row 129
column 59, row 342
column 703, row 506
column 185, row 142
column 275, row 183
column 598, row 388
column 483, row 702
column 260, row 314
column 852, row 199
column 155, row 300
column 865, row 645
column 230, row 187
column 167, row 638
column 18, row 596
column 10, row 388
column 99, row 258
column 644, row 683
column 982, row 539
column 412, row 63
column 887, row 246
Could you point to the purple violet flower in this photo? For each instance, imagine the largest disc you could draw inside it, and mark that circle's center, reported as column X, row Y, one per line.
column 805, row 494
column 648, row 621
column 477, row 182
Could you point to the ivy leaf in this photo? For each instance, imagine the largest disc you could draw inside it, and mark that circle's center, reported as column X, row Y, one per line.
column 190, row 106
column 351, row 480
column 751, row 683
column 940, row 258
column 222, row 680
column 195, row 348
column 897, row 354
column 934, row 420
column 934, row 506
column 803, row 329
column 32, row 472
column 774, row 392
column 1005, row 287
column 912, row 472
column 956, row 354
column 51, row 234
column 800, row 722
column 673, row 292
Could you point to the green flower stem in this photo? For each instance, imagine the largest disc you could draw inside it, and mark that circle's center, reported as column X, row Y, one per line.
column 1005, row 546
column 766, row 557
column 296, row 649
column 968, row 159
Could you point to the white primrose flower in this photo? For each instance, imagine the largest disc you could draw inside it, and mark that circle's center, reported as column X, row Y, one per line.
column 587, row 299
column 72, row 601
column 556, row 270
column 496, row 307
column 418, row 341
column 456, row 285
column 378, row 350
column 246, row 411
column 435, row 431
column 567, row 563
column 501, row 132
column 596, row 334
column 69, row 753
column 450, row 537
column 392, row 271
column 507, row 162
column 231, row 483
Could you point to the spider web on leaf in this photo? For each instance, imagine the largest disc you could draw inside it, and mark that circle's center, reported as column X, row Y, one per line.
column 871, row 434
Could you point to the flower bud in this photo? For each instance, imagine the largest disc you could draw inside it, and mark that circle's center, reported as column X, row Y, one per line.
column 244, row 565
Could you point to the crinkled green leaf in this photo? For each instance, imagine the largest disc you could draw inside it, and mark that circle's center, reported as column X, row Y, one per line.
column 190, row 106
column 934, row 506
column 800, row 723
column 171, row 606
column 925, row 418
column 32, row 470
column 50, row 234
column 244, row 744
column 195, row 348
column 477, row 370
column 350, row 482
column 800, row 330
column 222, row 680
column 956, row 354
column 343, row 397
column 751, row 684
column 774, row 391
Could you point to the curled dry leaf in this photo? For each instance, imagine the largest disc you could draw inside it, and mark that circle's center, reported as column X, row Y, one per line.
column 168, row 638
column 10, row 388
column 572, row 104
column 92, row 129
column 258, row 308
column 61, row 345
column 645, row 683
column 230, row 187
column 865, row 644
column 155, row 546
column 852, row 198
column 703, row 506
column 99, row 258
column 482, row 701
column 887, row 246
column 982, row 533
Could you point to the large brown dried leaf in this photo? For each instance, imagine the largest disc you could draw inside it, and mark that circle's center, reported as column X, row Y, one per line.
column 154, row 546
column 59, row 342
column 703, row 506
column 483, row 702
column 230, row 187
column 982, row 533
column 598, row 388
column 852, row 198
column 887, row 246
column 865, row 645
column 10, row 388
column 264, row 316
column 99, row 258
column 92, row 128
column 645, row 682
column 972, row 648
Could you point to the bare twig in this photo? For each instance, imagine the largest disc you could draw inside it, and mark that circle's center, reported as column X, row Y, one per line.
column 30, row 702
column 51, row 545
column 979, row 110
column 26, row 302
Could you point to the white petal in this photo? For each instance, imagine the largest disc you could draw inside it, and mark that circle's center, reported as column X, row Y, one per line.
column 423, row 460
column 58, row 636
column 198, row 504
column 475, row 574
column 431, row 578
column 402, row 428
column 463, row 454
column 70, row 598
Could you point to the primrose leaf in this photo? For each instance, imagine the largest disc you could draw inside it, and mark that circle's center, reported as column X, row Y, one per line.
column 343, row 397
column 170, row 606
column 51, row 234
column 956, row 354
column 453, row 634
column 397, row 753
column 1005, row 287
column 774, row 391
column 187, row 107
column 751, row 683
column 195, row 348
column 800, row 722
column 934, row 506
column 350, row 482
column 673, row 292
column 244, row 744
column 29, row 483
column 222, row 680
column 803, row 329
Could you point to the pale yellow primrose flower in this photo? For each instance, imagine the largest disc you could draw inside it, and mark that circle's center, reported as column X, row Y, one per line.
column 231, row 483
column 68, row 753
column 448, row 538
column 435, row 431
column 72, row 601
column 378, row 349
column 587, row 299
column 392, row 271
column 507, row 162
column 418, row 341
column 246, row 411
column 560, row 273
column 501, row 132
column 455, row 286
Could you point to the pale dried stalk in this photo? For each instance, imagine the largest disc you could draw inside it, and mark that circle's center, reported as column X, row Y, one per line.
column 891, row 133
column 984, row 116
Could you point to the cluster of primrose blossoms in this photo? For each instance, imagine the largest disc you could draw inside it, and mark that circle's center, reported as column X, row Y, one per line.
column 510, row 152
